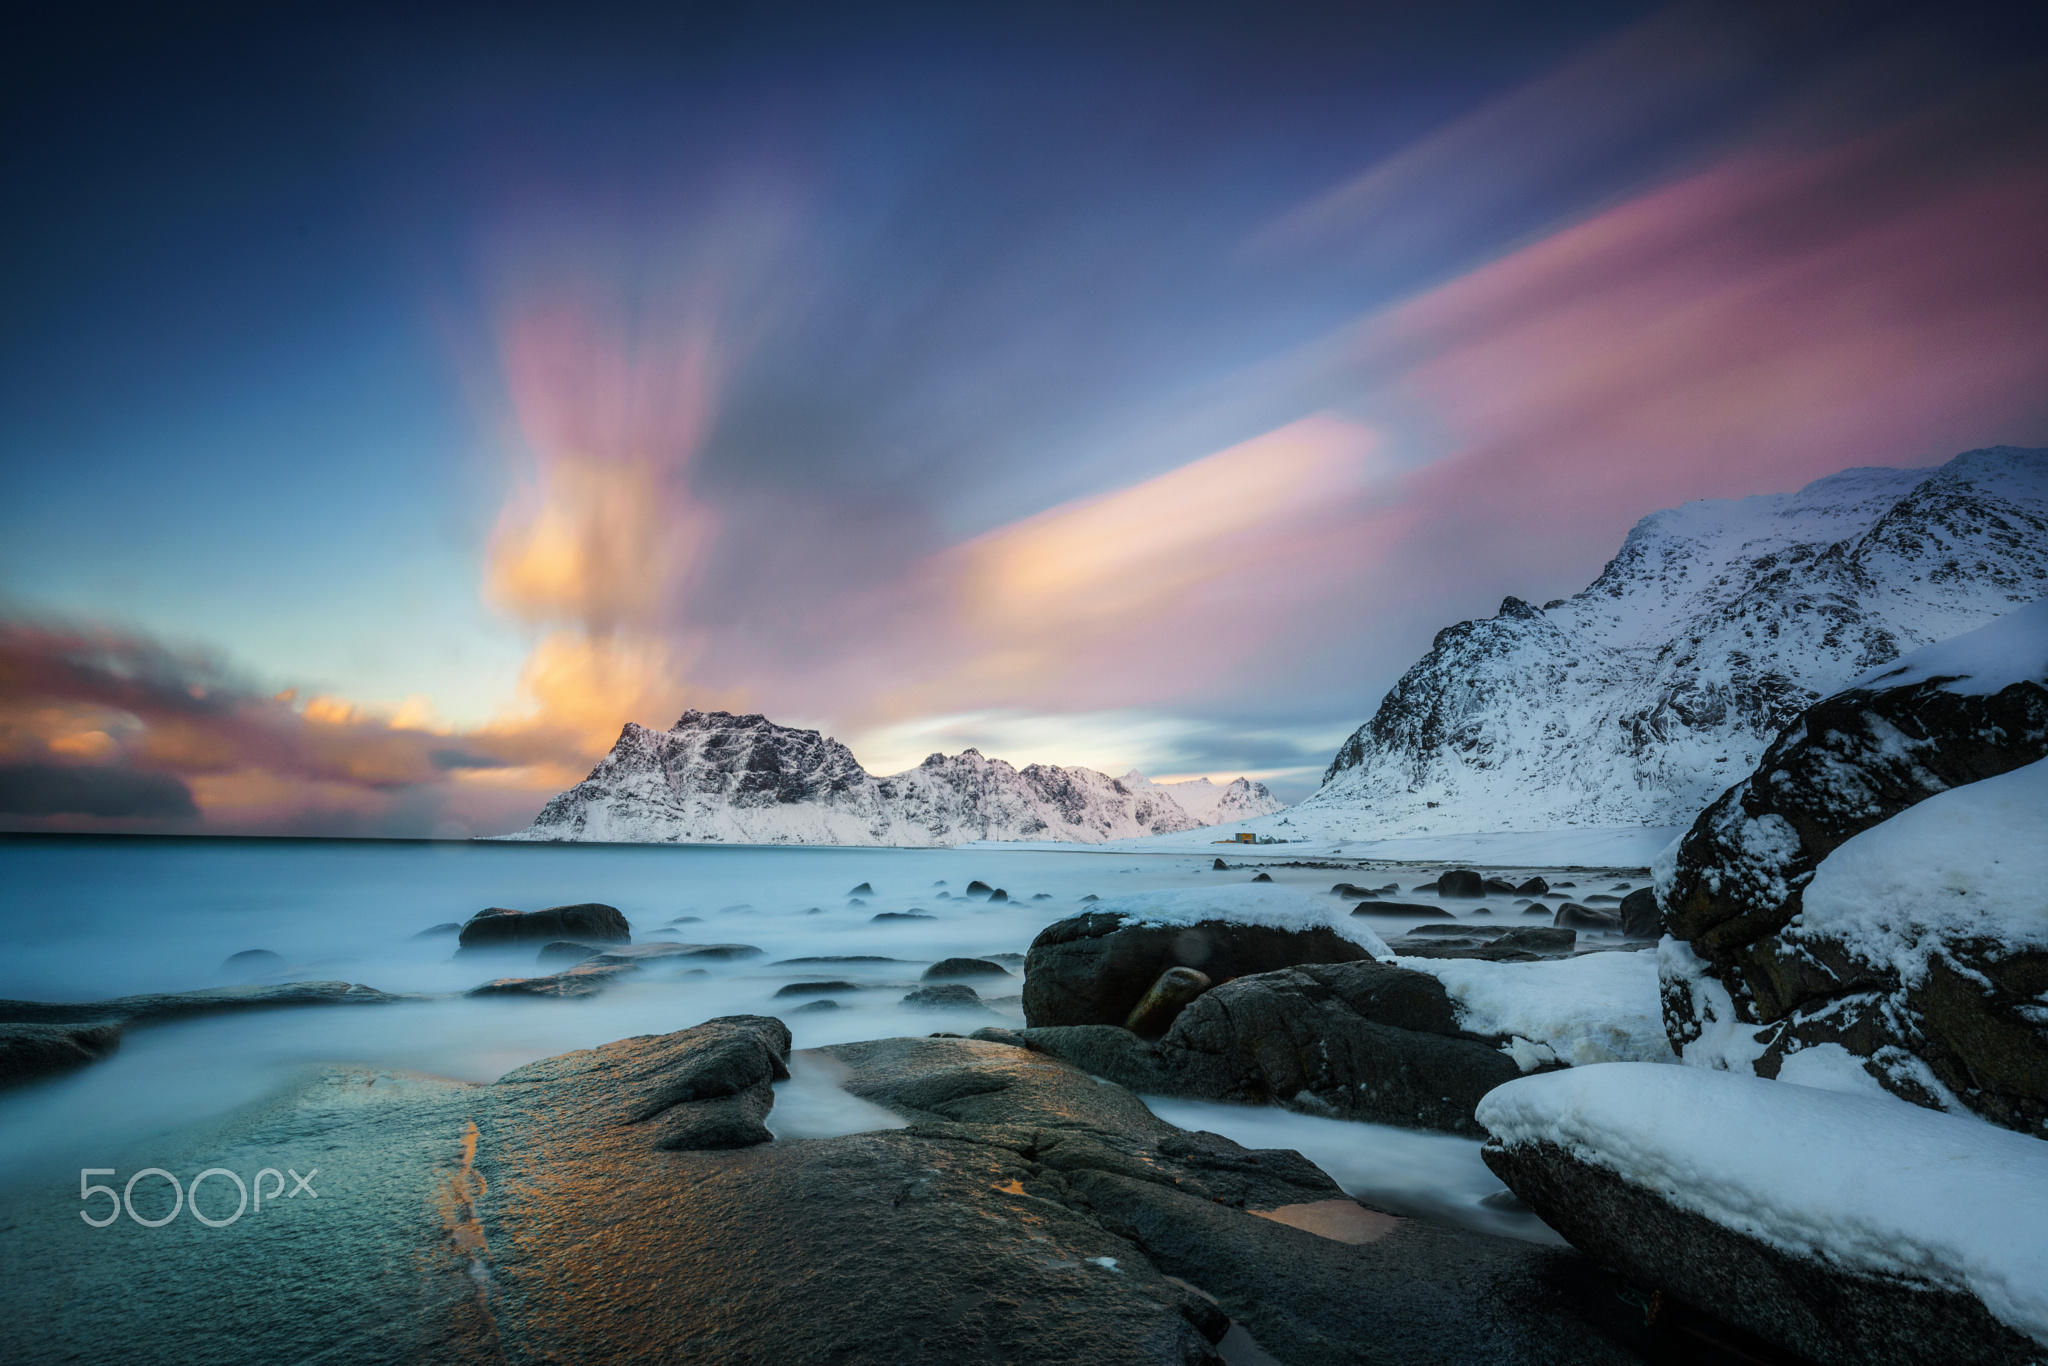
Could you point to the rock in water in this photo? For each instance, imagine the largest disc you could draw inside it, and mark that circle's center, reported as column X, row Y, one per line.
column 250, row 964
column 1572, row 916
column 1640, row 918
column 1821, row 902
column 1535, row 886
column 1154, row 1014
column 1094, row 968
column 944, row 996
column 587, row 921
column 962, row 969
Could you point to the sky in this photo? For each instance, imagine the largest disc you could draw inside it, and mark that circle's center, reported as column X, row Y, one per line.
column 391, row 407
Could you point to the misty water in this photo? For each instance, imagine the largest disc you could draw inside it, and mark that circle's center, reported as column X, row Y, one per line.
column 93, row 919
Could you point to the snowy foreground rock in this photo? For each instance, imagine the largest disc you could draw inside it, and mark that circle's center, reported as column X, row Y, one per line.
column 743, row 779
column 1846, row 1228
column 1638, row 699
column 1870, row 907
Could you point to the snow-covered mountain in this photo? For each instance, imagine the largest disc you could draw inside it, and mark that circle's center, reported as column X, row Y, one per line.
column 744, row 779
column 1209, row 803
column 1639, row 699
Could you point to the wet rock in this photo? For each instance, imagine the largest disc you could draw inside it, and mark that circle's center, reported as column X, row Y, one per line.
column 1090, row 897
column 998, row 895
column 855, row 901
column 1602, row 899
column 1537, row 908
column 589, row 922
column 944, row 996
column 1219, row 866
column 1543, row 939
column 1460, row 882
column 584, row 979
column 1402, row 910
column 1535, row 886
column 1351, row 891
column 1170, row 994
column 814, row 988
column 250, row 964
column 978, row 888
column 1574, row 916
column 1041, row 896
column 1815, row 1308
column 818, row 1007
column 864, row 889
column 1095, row 967
column 437, row 931
column 1640, row 918
column 1496, row 887
column 564, row 951
column 838, row 958
column 961, row 969
column 1359, row 1040
column 1263, row 877
column 884, row 917
column 28, row 1051
column 698, row 919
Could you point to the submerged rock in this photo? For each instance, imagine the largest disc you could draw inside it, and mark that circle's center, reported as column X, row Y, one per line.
column 1402, row 910
column 39, row 1050
column 944, row 996
column 250, row 964
column 436, row 931
column 1573, row 916
column 1460, row 882
column 957, row 969
column 587, row 921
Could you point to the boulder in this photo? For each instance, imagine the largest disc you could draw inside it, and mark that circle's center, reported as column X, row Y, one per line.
column 1640, row 918
column 1496, row 887
column 944, row 996
column 1460, row 882
column 998, row 895
column 1263, row 877
column 962, row 969
column 1573, row 916
column 587, row 921
column 1219, row 866
column 1402, row 910
column 1943, row 1006
column 814, row 989
column 1160, row 1006
column 1535, row 886
column 978, row 888
column 1095, row 967
column 1359, row 1040
column 864, row 889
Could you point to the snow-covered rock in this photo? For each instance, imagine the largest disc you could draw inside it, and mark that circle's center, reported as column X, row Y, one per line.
column 744, row 779
column 1592, row 1008
column 1870, row 907
column 1640, row 698
column 1845, row 1228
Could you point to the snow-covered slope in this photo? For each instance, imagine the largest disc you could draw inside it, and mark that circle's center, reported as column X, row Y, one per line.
column 1640, row 698
column 744, row 779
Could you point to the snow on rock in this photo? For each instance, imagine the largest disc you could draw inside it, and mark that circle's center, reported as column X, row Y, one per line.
column 1245, row 903
column 1868, row 1184
column 1640, row 698
column 743, row 779
column 1874, row 897
column 1971, row 862
column 1596, row 1007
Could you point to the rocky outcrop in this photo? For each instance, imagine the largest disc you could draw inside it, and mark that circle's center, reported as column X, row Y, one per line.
column 587, row 922
column 1362, row 1040
column 1094, row 968
column 38, row 1038
column 1942, row 1007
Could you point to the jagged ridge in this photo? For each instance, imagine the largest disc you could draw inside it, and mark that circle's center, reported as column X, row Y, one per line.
column 743, row 779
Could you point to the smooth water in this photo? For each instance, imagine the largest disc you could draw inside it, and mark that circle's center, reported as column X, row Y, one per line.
column 92, row 919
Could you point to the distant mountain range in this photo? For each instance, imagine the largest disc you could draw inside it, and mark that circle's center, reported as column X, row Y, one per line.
column 743, row 779
column 1640, row 699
